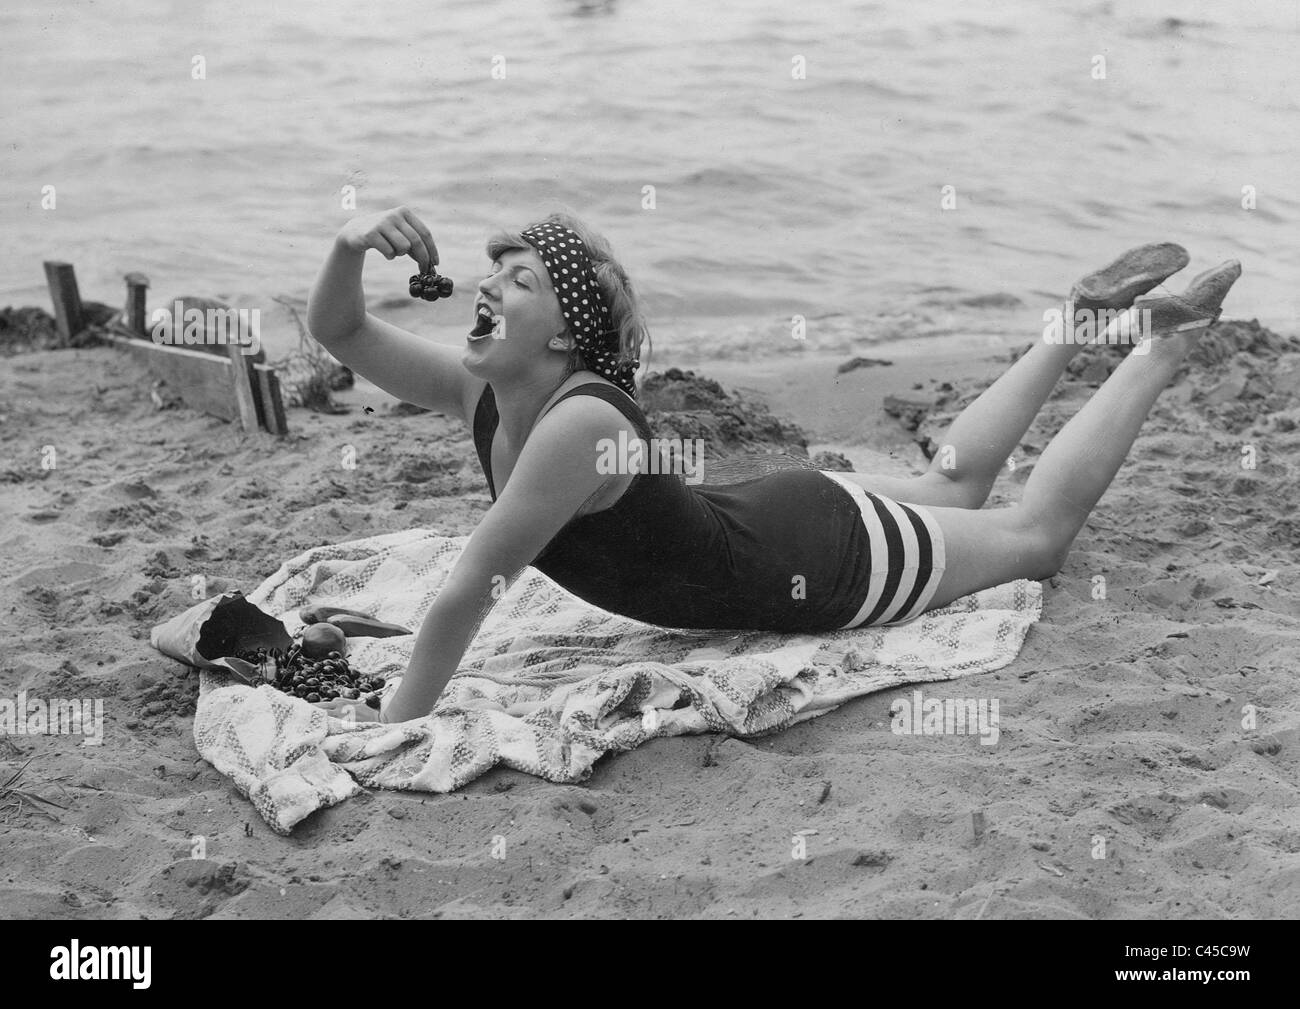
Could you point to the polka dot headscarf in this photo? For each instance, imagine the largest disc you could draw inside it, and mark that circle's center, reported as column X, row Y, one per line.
column 580, row 300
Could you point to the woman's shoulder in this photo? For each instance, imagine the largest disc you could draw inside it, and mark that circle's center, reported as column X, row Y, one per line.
column 589, row 384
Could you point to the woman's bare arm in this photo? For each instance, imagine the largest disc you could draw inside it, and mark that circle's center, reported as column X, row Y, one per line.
column 399, row 362
column 555, row 476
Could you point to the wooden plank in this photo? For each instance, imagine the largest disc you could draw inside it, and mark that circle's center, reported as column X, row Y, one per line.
column 242, row 384
column 203, row 381
column 62, row 281
column 268, row 385
column 256, row 385
column 206, row 383
column 136, row 286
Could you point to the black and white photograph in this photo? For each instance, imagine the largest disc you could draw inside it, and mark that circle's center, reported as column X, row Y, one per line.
column 651, row 459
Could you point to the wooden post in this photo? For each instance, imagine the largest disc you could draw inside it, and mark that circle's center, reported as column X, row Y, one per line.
column 62, row 281
column 272, row 405
column 136, row 285
column 241, row 372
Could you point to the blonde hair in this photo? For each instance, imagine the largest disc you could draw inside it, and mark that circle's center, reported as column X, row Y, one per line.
column 613, row 281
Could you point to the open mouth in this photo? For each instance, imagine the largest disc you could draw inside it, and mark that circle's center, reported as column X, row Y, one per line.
column 485, row 323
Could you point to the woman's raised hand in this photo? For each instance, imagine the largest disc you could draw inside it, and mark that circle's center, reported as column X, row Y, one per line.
column 393, row 233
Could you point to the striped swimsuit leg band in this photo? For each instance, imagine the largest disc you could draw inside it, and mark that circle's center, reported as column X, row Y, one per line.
column 907, row 557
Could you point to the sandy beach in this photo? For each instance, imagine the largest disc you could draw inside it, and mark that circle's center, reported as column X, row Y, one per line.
column 1151, row 712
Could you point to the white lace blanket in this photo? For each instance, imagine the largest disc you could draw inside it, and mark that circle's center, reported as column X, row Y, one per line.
column 551, row 684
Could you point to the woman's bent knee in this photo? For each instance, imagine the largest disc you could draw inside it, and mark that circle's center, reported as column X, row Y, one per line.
column 1042, row 546
column 1048, row 552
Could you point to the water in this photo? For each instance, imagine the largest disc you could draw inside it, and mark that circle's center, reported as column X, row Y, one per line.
column 774, row 196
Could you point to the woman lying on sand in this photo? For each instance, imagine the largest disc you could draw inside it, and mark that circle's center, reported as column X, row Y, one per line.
column 545, row 382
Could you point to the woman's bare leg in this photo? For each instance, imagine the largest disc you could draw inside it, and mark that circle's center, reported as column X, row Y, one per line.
column 1031, row 540
column 984, row 436
column 979, row 442
column 1081, row 461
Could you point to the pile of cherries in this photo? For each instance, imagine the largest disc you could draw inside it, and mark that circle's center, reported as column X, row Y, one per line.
column 313, row 679
column 430, row 286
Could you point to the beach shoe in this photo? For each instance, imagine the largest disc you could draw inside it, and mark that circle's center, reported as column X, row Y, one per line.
column 1198, row 306
column 1132, row 274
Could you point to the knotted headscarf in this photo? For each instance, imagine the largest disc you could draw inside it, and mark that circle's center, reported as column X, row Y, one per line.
column 581, row 302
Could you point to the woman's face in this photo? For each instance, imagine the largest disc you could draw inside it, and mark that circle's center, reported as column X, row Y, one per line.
column 516, row 314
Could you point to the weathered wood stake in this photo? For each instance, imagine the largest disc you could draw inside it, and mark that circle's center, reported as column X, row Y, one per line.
column 272, row 404
column 241, row 371
column 62, row 281
column 136, row 286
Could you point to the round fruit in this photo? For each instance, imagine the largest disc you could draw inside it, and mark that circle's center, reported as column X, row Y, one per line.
column 319, row 640
column 313, row 697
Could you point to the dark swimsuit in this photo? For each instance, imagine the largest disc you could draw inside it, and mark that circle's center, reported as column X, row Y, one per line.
column 794, row 550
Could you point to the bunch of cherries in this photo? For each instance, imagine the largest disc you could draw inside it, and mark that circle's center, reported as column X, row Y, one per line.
column 314, row 680
column 430, row 286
